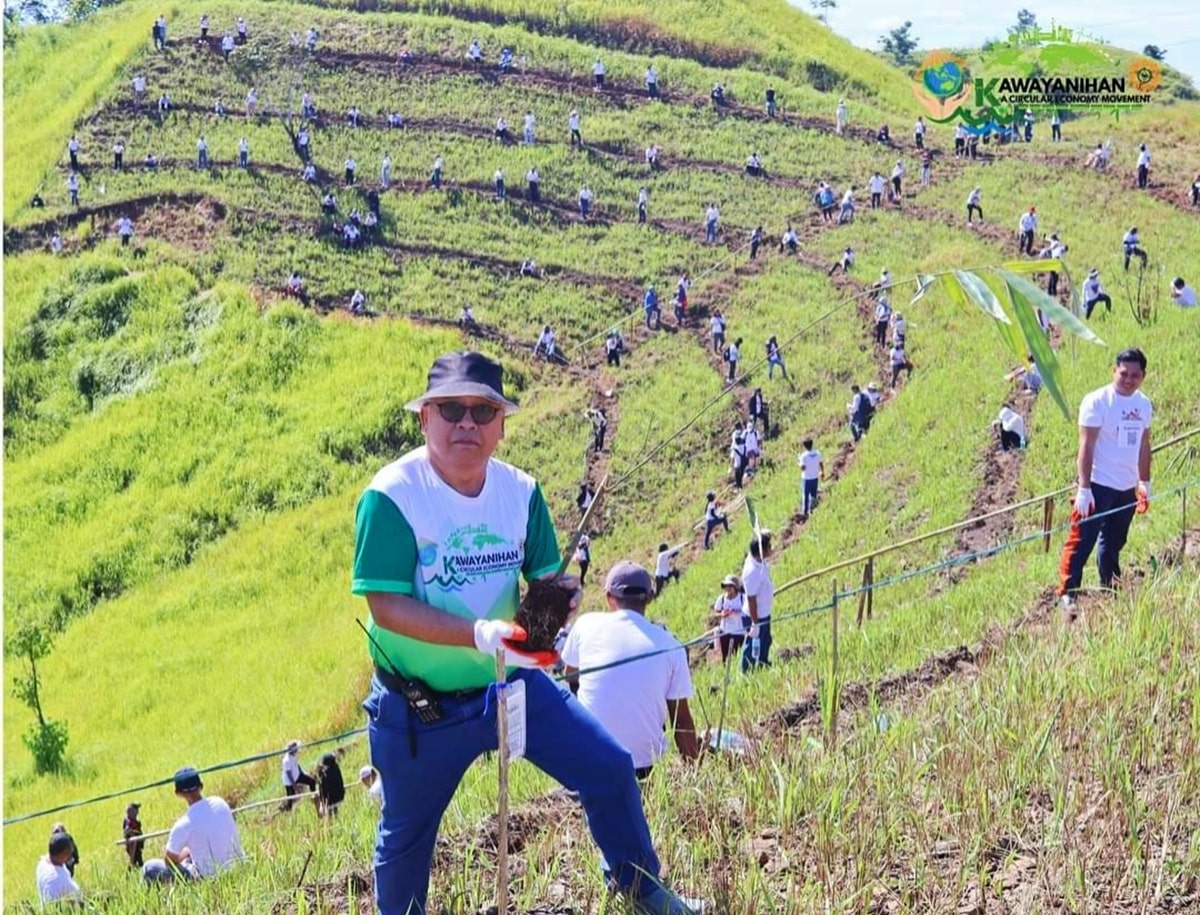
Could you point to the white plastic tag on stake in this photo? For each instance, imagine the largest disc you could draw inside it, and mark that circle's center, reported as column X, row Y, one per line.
column 514, row 702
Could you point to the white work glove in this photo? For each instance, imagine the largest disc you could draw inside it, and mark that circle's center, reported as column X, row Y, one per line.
column 1085, row 503
column 754, row 631
column 492, row 635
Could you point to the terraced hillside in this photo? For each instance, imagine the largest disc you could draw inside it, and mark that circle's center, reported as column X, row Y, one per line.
column 185, row 443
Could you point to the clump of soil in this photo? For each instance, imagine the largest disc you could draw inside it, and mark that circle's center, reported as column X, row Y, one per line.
column 543, row 612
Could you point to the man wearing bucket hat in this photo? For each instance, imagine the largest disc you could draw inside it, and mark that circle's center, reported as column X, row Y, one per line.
column 203, row 842
column 634, row 700
column 444, row 535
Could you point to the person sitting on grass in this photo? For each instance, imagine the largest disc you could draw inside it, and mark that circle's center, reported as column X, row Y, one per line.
column 202, row 843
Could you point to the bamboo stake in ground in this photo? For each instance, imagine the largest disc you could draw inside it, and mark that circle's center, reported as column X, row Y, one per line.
column 502, row 801
column 835, row 697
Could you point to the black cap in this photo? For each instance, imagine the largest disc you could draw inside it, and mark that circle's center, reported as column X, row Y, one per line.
column 465, row 374
column 187, row 779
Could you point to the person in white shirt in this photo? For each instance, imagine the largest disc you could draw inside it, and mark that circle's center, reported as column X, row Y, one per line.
column 139, row 89
column 54, row 881
column 760, row 595
column 527, row 127
column 846, row 214
column 310, row 39
column 728, row 608
column 899, row 329
column 243, row 153
column 973, row 199
column 883, row 319
column 635, row 701
column 897, row 182
column 598, row 71
column 663, row 569
column 652, row 157
column 1113, row 464
column 56, row 243
column 1012, row 428
column 1055, row 127
column 919, row 133
column 841, row 115
column 545, row 343
column 1183, row 294
column 202, row 843
column 1132, row 246
column 573, row 122
column 643, row 204
column 585, row 202
column 358, row 302
column 241, row 30
column 251, row 102
column 754, row 166
column 351, row 168
column 753, row 446
column 876, row 186
column 227, row 44
column 475, row 51
column 900, row 363
column 293, row 775
column 1093, row 293
column 124, row 230
column 845, row 262
column 1143, row 166
column 202, row 153
column 502, row 133
column 812, row 471
column 711, row 216
column 651, row 82
column 371, row 783
column 1027, row 226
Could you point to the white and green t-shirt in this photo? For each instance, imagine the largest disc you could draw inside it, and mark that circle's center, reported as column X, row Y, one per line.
column 416, row 535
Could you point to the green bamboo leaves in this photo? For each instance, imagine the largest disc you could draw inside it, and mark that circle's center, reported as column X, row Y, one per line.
column 1008, row 297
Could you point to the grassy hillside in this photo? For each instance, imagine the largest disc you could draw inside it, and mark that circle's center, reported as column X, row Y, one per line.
column 184, row 445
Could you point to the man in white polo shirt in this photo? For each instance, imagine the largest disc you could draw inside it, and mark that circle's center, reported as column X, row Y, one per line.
column 760, row 594
column 54, row 881
column 1114, row 474
column 634, row 701
column 812, row 469
column 203, row 842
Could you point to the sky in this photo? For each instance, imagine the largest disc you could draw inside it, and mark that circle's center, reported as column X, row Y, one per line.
column 1173, row 25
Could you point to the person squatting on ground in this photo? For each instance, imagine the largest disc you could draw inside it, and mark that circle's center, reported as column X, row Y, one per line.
column 637, row 700
column 712, row 517
column 1012, row 428
column 729, row 608
column 759, row 591
column 435, row 639
column 293, row 776
column 203, row 842
column 844, row 263
column 1113, row 464
column 812, row 471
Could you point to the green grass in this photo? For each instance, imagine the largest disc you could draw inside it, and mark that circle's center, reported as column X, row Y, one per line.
column 184, row 451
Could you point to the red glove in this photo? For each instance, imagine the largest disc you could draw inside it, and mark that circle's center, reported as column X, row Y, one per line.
column 1143, row 497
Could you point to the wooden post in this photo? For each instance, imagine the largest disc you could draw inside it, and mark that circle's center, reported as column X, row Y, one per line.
column 871, row 587
column 1047, row 522
column 833, row 687
column 862, row 594
column 1183, row 523
column 502, row 804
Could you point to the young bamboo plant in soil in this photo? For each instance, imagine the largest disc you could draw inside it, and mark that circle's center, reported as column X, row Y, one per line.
column 546, row 607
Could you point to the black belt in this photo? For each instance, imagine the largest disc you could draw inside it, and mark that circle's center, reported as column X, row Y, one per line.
column 398, row 684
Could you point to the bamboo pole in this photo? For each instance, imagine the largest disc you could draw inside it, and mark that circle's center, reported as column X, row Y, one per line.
column 834, row 691
column 970, row 522
column 1047, row 523
column 158, row 833
column 502, row 801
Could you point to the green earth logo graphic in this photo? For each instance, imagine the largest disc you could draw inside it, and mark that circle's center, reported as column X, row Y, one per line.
column 943, row 80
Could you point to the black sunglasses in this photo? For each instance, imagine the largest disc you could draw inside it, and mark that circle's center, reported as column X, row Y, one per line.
column 452, row 411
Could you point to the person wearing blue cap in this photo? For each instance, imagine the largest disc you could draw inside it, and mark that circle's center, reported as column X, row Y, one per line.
column 444, row 536
column 203, row 842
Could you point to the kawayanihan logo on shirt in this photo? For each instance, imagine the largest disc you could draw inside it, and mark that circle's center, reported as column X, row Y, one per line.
column 468, row 554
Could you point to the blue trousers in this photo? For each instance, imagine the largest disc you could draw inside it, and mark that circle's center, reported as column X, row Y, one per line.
column 563, row 740
column 1109, row 531
column 810, row 495
column 764, row 646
